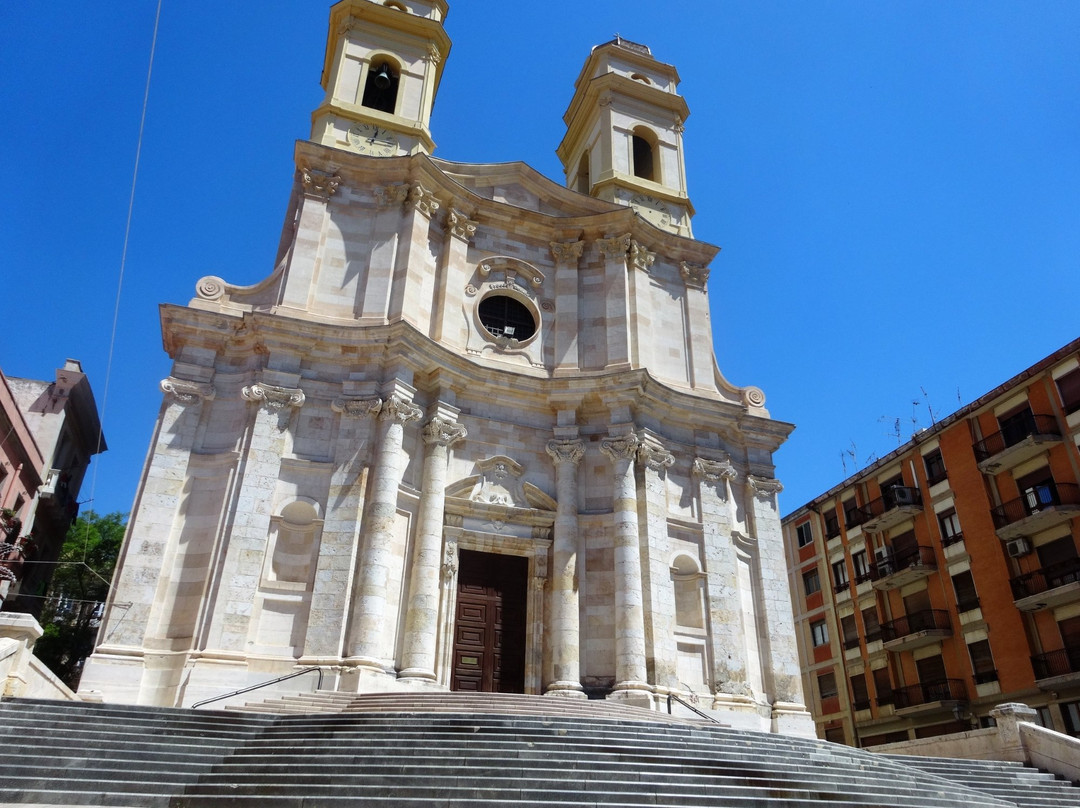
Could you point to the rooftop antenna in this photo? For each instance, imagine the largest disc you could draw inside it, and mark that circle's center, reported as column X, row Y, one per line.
column 929, row 409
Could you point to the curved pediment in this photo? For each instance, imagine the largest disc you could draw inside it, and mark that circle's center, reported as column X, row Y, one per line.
column 499, row 484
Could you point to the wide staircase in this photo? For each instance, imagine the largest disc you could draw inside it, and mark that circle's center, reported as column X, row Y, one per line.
column 442, row 750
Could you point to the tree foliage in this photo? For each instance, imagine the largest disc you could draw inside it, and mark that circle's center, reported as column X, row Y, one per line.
column 76, row 595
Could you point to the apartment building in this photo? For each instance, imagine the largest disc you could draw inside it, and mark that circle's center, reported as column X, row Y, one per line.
column 945, row 578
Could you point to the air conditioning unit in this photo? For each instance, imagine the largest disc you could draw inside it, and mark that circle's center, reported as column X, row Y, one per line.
column 905, row 496
column 1018, row 547
column 883, row 560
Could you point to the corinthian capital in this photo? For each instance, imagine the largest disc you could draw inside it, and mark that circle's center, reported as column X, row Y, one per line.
column 713, row 471
column 395, row 408
column 764, row 488
column 185, row 392
column 655, row 457
column 694, row 275
column 274, row 398
column 440, row 432
column 641, row 258
column 460, row 225
column 421, row 199
column 319, row 184
column 390, row 195
column 621, row 448
column 614, row 249
column 567, row 252
column 566, row 451
column 356, row 407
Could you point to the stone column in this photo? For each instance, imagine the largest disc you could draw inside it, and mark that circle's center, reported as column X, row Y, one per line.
column 659, row 594
column 422, row 617
column 729, row 663
column 377, row 535
column 325, row 640
column 630, row 672
column 565, row 631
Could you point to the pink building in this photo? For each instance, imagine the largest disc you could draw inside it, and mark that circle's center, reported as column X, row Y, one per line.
column 50, row 431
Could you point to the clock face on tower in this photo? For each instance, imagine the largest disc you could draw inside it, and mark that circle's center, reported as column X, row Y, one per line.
column 367, row 138
column 652, row 210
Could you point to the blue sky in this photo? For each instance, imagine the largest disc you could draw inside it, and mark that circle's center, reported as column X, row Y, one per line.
column 896, row 186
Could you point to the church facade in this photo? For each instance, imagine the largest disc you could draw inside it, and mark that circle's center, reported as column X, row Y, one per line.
column 470, row 433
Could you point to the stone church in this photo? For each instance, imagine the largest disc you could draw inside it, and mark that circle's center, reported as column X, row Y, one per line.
column 469, row 434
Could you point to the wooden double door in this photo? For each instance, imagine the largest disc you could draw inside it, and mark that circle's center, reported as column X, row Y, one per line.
column 489, row 623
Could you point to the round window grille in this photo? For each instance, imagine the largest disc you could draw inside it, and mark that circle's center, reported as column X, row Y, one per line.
column 504, row 316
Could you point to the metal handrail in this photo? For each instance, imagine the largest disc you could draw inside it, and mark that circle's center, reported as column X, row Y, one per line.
column 292, row 675
column 672, row 697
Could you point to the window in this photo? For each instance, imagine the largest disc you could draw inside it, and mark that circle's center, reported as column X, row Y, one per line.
column 1043, row 717
column 1070, row 712
column 860, row 696
column 871, row 625
column 850, row 631
column 643, row 156
column 931, row 670
column 832, row 524
column 819, row 633
column 826, row 683
column 811, row 582
column 840, row 576
column 804, row 534
column 505, row 316
column 584, row 183
column 1069, row 387
column 935, row 467
column 851, row 513
column 964, row 586
column 861, row 565
column 380, row 91
column 1037, row 490
column 949, row 523
column 835, row 735
column 1016, row 425
column 982, row 662
column 883, row 686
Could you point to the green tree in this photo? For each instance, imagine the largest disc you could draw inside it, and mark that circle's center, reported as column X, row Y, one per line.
column 76, row 595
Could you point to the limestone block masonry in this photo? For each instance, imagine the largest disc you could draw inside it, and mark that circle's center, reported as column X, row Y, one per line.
column 453, row 359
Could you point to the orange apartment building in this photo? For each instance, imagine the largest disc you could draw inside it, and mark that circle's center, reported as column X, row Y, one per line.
column 945, row 578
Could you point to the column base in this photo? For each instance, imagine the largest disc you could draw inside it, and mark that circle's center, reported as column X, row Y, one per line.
column 636, row 694
column 565, row 690
column 416, row 675
column 792, row 719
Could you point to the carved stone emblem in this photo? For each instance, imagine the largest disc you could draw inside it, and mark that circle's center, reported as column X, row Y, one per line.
column 654, row 457
column 694, row 275
column 567, row 252
column 500, row 483
column 621, row 448
column 357, row 407
column 398, row 409
column 641, row 258
column 614, row 249
column 460, row 225
column 713, row 471
column 765, row 488
column 566, row 451
column 423, row 200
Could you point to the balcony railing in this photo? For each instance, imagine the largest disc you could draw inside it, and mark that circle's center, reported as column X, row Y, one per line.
column 949, row 541
column 1043, row 498
column 1049, row 577
column 891, row 507
column 860, row 704
column 985, row 677
column 929, row 692
column 902, row 568
column 1056, row 663
column 927, row 620
column 1038, row 426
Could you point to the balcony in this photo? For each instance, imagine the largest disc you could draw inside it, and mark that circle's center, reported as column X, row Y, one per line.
column 927, row 696
column 891, row 508
column 1057, row 668
column 916, row 630
column 902, row 568
column 1023, row 438
column 1040, row 508
column 1053, row 585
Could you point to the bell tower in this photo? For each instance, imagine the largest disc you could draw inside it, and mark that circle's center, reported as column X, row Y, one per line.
column 381, row 72
column 623, row 138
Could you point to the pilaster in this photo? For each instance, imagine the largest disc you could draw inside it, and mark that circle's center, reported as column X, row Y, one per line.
column 616, row 324
column 659, row 604
column 567, row 294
